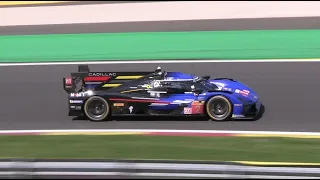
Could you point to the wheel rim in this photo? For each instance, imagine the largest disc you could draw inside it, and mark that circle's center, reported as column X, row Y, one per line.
column 219, row 108
column 96, row 108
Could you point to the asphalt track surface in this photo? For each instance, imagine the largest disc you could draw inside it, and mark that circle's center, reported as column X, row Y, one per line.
column 33, row 97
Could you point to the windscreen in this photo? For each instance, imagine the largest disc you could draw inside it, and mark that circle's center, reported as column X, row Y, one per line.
column 205, row 85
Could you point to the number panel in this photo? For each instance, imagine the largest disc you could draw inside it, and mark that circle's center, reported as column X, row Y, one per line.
column 197, row 107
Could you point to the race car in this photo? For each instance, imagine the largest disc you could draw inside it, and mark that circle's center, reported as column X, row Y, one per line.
column 102, row 95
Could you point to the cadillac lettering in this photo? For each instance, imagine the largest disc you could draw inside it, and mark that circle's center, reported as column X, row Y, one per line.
column 102, row 74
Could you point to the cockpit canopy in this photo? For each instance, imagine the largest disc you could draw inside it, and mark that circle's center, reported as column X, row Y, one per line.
column 170, row 80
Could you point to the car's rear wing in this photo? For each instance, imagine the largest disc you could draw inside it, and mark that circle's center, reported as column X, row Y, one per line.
column 85, row 79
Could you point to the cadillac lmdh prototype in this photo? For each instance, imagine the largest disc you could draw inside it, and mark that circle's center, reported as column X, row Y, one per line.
column 101, row 95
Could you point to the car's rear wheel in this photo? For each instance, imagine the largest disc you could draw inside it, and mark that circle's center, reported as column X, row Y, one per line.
column 219, row 108
column 96, row 108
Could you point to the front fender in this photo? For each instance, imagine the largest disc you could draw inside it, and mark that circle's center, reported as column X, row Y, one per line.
column 239, row 89
column 238, row 104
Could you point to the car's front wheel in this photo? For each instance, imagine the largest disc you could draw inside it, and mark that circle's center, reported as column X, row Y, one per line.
column 219, row 108
column 96, row 108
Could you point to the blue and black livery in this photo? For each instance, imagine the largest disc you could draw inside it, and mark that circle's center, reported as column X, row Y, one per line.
column 101, row 95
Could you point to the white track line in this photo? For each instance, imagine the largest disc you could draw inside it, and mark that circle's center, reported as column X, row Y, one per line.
column 157, row 130
column 156, row 62
column 181, row 175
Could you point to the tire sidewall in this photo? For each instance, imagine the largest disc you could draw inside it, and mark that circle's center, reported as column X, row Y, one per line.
column 208, row 107
column 104, row 117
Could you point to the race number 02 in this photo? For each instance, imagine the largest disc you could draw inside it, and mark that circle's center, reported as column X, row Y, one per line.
column 197, row 107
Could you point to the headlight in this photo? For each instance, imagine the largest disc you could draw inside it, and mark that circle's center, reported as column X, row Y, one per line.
column 243, row 100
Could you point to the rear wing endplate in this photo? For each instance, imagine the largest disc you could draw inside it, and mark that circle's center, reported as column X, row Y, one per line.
column 84, row 77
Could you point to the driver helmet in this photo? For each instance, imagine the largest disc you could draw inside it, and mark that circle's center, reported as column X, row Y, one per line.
column 161, row 73
column 158, row 70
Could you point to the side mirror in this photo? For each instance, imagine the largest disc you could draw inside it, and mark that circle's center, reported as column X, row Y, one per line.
column 197, row 91
column 205, row 77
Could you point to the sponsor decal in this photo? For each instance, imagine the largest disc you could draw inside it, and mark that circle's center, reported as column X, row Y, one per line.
column 243, row 92
column 158, row 104
column 147, row 86
column 118, row 104
column 68, row 81
column 187, row 111
column 76, row 101
column 130, row 109
column 156, row 84
column 237, row 104
column 154, row 94
column 180, row 101
column 80, row 94
column 237, row 115
column 67, row 87
column 75, row 107
column 102, row 74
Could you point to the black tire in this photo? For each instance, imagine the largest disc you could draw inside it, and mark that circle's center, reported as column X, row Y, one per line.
column 219, row 108
column 96, row 112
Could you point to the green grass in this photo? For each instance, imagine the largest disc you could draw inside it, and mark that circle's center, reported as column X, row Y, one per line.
column 251, row 44
column 155, row 147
